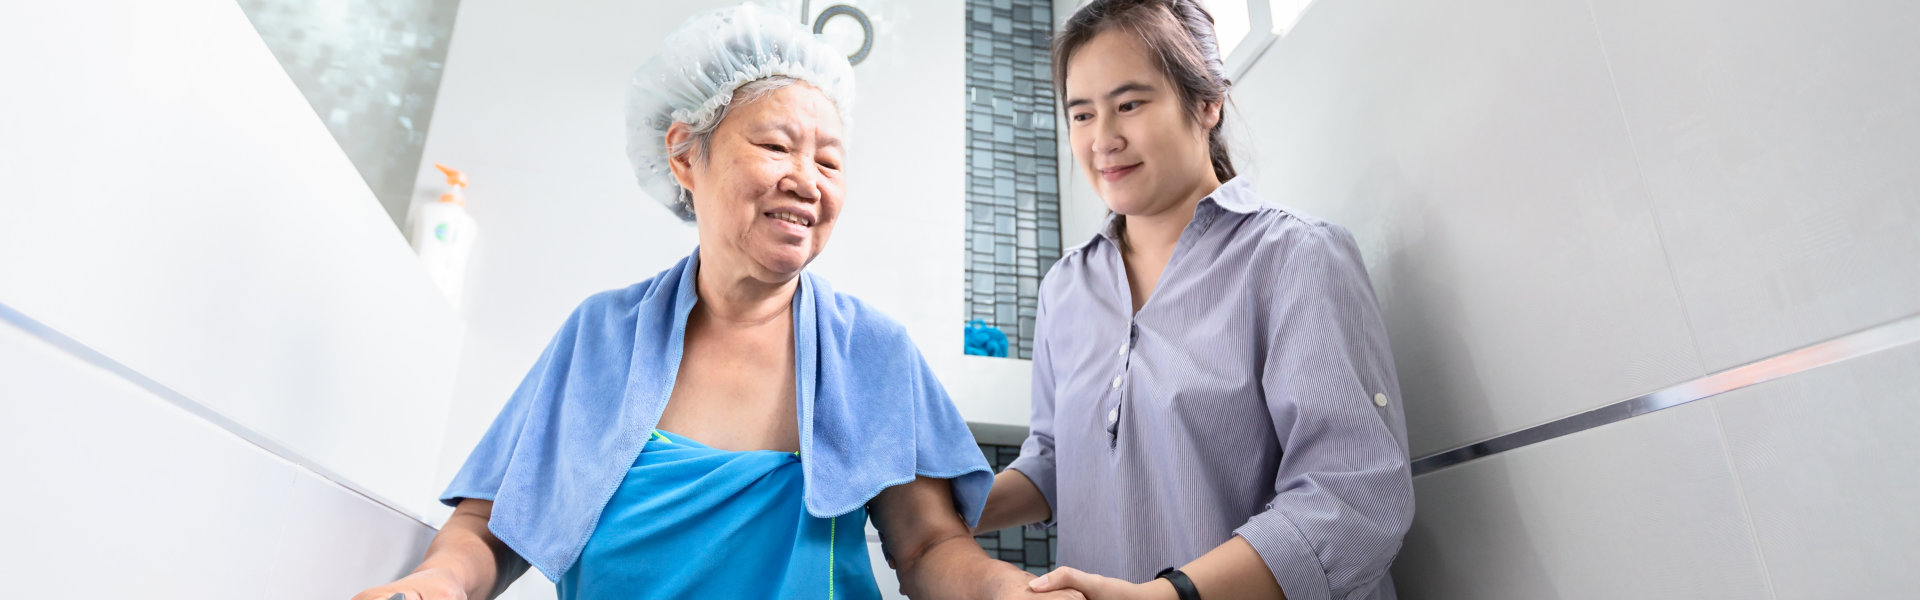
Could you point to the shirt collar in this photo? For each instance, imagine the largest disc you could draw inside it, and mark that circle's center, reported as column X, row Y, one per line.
column 1235, row 195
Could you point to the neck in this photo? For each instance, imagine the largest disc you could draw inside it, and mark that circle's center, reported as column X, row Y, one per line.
column 1156, row 233
column 733, row 298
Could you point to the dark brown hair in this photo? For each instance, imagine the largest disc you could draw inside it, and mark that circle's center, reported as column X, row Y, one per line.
column 1179, row 33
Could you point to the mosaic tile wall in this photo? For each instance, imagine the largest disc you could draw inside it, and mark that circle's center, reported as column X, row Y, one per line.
column 1031, row 551
column 1013, row 196
column 371, row 70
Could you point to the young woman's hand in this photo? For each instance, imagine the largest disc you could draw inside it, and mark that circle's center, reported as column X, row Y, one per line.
column 1096, row 587
column 1012, row 585
column 427, row 584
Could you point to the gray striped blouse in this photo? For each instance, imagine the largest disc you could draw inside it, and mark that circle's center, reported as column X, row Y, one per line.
column 1252, row 395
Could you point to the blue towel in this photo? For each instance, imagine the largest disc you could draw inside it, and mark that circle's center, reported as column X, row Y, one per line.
column 683, row 499
column 872, row 415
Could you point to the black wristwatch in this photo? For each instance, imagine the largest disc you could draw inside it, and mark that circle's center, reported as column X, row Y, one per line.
column 1182, row 586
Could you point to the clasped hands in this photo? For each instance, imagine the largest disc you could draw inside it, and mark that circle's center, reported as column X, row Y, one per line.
column 1068, row 582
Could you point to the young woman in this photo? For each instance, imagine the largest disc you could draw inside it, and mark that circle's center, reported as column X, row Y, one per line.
column 1215, row 411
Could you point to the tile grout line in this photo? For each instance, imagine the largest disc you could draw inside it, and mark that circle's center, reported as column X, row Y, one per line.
column 1740, row 494
column 1646, row 187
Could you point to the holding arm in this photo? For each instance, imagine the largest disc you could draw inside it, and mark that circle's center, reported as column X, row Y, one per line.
column 1014, row 501
column 1344, row 491
column 464, row 561
column 935, row 555
column 1023, row 493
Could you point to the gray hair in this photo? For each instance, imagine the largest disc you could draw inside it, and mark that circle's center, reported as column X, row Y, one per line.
column 701, row 139
column 700, row 67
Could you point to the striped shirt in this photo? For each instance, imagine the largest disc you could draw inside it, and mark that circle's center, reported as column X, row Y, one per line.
column 1253, row 395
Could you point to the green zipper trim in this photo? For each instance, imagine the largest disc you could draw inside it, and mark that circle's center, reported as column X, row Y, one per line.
column 833, row 529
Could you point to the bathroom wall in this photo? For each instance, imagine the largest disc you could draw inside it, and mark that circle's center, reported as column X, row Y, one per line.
column 172, row 202
column 115, row 492
column 1566, row 203
column 222, row 372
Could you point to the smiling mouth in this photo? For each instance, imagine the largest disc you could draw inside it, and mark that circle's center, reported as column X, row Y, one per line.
column 790, row 218
column 1114, row 173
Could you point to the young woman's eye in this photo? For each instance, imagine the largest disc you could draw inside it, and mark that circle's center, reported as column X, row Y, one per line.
column 1129, row 106
column 1081, row 116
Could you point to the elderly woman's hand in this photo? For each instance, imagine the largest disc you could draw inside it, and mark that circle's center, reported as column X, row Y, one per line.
column 428, row 584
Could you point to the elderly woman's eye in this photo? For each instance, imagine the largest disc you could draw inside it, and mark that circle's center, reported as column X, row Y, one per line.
column 775, row 147
column 830, row 165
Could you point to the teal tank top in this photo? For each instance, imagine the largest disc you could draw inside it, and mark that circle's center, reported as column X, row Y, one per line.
column 690, row 521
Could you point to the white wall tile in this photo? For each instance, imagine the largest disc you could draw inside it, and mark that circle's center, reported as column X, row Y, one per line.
column 1778, row 139
column 105, row 476
column 115, row 493
column 335, row 543
column 1827, row 462
column 1644, row 508
column 1477, row 153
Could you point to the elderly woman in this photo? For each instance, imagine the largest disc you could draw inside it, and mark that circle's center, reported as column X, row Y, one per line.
column 709, row 432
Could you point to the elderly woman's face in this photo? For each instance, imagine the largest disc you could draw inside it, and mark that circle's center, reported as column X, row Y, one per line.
column 769, row 191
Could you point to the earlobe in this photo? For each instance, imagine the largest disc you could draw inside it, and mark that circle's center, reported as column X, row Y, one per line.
column 679, row 134
column 1213, row 113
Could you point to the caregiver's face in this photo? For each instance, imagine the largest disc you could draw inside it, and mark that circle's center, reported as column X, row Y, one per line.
column 770, row 188
column 1129, row 129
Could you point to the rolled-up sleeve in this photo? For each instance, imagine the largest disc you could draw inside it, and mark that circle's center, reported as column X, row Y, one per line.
column 1036, row 453
column 1343, row 494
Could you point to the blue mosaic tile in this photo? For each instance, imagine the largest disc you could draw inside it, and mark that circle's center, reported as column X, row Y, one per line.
column 1013, row 203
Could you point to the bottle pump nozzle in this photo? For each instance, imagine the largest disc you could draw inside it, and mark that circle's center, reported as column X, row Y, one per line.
column 456, row 179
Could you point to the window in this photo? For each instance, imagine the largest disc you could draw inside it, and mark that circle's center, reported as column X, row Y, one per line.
column 1245, row 28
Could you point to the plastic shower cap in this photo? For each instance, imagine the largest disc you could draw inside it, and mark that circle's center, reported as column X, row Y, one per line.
column 694, row 77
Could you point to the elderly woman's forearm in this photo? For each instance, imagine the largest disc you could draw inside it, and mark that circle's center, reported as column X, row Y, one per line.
column 467, row 550
column 956, row 567
column 931, row 547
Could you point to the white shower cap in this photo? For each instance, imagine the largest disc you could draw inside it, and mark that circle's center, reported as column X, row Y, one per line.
column 694, row 77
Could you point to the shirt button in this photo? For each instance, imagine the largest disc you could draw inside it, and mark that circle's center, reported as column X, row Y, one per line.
column 1379, row 399
column 1116, row 382
column 1123, row 349
column 1113, row 415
